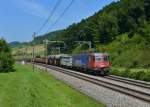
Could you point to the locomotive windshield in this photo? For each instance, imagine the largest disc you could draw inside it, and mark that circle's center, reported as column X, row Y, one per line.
column 104, row 58
column 98, row 59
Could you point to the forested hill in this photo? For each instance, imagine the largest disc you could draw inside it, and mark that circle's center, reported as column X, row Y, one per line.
column 121, row 29
column 123, row 17
column 15, row 43
column 51, row 36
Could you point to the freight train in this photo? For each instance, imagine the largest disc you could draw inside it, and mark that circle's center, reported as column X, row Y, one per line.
column 96, row 63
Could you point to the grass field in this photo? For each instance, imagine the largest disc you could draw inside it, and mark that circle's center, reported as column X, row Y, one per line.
column 39, row 50
column 24, row 88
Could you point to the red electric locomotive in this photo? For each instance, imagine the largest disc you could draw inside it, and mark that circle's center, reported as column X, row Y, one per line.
column 98, row 63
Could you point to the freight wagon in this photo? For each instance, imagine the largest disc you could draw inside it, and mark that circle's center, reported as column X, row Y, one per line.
column 66, row 61
column 54, row 60
column 41, row 60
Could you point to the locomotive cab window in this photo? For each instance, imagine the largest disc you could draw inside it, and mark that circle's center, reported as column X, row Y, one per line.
column 105, row 58
column 98, row 59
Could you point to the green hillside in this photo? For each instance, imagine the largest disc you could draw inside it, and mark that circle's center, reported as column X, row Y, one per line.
column 51, row 36
column 122, row 29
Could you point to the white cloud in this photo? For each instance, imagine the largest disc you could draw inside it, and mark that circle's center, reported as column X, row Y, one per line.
column 33, row 7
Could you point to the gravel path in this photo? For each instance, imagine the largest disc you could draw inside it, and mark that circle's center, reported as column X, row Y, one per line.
column 101, row 94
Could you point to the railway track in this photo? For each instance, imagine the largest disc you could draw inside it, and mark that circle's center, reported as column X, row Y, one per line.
column 144, row 96
column 129, row 81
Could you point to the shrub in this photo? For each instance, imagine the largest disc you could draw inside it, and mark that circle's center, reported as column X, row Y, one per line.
column 138, row 75
column 146, row 77
column 125, row 73
column 132, row 75
column 115, row 72
column 6, row 60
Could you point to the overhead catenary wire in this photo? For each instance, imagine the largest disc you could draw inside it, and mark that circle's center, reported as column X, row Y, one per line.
column 63, row 13
column 50, row 16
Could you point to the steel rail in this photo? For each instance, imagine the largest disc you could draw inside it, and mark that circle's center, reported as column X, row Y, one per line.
column 129, row 81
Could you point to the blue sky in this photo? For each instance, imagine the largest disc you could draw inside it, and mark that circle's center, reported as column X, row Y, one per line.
column 20, row 18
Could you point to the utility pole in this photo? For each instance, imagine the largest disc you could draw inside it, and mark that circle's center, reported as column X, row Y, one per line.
column 26, row 57
column 46, row 59
column 33, row 56
column 90, row 44
column 59, row 50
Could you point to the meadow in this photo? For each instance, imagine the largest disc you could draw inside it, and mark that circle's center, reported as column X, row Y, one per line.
column 25, row 88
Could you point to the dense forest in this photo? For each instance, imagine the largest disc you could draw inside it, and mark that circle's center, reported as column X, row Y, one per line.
column 121, row 29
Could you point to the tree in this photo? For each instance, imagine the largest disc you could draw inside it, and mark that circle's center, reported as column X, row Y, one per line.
column 145, row 32
column 147, row 9
column 108, row 28
column 6, row 60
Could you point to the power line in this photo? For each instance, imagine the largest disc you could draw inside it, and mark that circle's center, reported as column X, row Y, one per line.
column 50, row 16
column 65, row 10
column 63, row 13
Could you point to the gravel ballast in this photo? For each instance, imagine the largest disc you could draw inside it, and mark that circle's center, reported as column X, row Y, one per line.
column 107, row 96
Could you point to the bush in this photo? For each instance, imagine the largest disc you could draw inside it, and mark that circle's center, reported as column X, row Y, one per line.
column 132, row 75
column 6, row 60
column 138, row 75
column 146, row 76
column 115, row 72
column 125, row 73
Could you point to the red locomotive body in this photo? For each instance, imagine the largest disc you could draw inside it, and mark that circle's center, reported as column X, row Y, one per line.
column 99, row 62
